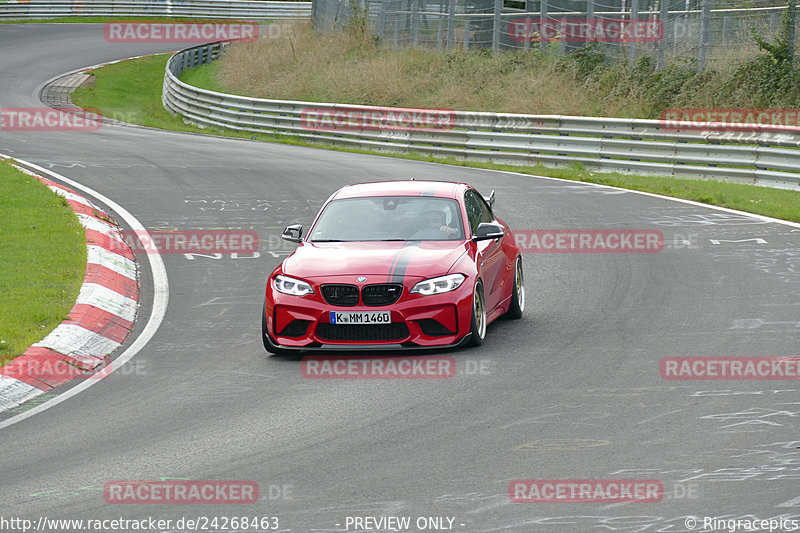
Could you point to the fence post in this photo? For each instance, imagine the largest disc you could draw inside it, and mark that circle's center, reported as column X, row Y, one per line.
column 466, row 28
column 414, row 22
column 705, row 20
column 791, row 14
column 439, row 23
column 662, row 44
column 498, row 9
column 451, row 23
column 526, row 39
column 396, row 29
column 542, row 21
column 381, row 29
column 726, row 25
column 632, row 39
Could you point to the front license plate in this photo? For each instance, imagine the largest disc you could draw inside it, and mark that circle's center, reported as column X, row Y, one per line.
column 355, row 317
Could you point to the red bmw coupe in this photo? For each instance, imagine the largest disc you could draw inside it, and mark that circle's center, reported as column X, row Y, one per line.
column 394, row 265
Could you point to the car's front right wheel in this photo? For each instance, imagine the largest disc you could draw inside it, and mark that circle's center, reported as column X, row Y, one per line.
column 478, row 325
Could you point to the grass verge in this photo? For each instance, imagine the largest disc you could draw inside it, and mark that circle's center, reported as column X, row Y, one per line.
column 131, row 91
column 42, row 262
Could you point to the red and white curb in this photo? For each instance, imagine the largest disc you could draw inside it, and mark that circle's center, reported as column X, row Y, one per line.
column 99, row 322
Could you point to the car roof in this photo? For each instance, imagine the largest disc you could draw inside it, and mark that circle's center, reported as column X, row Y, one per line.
column 442, row 189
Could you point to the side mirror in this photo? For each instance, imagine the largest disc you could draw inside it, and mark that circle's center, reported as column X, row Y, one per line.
column 293, row 233
column 488, row 230
column 490, row 199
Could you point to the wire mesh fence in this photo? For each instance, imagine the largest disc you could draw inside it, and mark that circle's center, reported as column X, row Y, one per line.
column 703, row 31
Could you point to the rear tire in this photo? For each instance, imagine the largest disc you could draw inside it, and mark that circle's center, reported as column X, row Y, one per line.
column 269, row 345
column 517, row 305
column 478, row 322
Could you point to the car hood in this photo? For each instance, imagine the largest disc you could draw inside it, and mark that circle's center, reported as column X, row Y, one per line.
column 390, row 261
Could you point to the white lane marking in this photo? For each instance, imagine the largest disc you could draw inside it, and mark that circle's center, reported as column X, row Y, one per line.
column 160, row 298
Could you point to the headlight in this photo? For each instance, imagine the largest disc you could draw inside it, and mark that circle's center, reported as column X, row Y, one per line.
column 292, row 286
column 439, row 285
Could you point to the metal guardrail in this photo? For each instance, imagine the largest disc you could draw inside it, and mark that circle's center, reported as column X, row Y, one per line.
column 206, row 9
column 608, row 144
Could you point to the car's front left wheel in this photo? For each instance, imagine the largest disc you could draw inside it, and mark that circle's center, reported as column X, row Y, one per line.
column 517, row 305
column 478, row 325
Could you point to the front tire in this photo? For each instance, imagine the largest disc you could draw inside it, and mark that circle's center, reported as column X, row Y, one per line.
column 517, row 305
column 478, row 323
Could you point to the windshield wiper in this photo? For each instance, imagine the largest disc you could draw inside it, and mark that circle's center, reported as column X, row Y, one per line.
column 328, row 240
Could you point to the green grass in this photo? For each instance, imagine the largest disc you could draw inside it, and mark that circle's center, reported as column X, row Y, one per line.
column 133, row 89
column 205, row 77
column 42, row 260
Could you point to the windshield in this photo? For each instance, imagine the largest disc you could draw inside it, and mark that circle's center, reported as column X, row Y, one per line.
column 389, row 218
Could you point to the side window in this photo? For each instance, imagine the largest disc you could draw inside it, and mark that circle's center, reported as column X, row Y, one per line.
column 477, row 210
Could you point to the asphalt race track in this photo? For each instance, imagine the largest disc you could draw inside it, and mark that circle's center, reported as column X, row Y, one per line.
column 571, row 391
